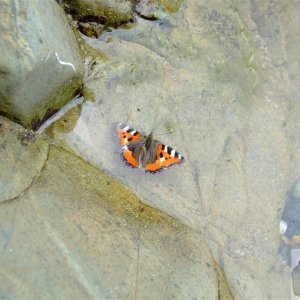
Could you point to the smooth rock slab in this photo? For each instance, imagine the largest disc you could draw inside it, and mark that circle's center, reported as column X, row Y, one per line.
column 40, row 65
column 204, row 74
column 78, row 234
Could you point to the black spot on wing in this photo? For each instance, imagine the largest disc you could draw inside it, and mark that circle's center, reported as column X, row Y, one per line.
column 169, row 150
column 130, row 139
column 130, row 130
column 136, row 133
column 161, row 155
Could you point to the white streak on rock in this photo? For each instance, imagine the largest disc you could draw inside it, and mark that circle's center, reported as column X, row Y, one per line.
column 65, row 63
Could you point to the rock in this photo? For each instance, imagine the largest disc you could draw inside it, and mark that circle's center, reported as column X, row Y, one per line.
column 108, row 12
column 214, row 76
column 290, row 215
column 282, row 227
column 296, row 280
column 200, row 73
column 40, row 65
column 150, row 10
column 20, row 163
column 156, row 9
column 91, row 238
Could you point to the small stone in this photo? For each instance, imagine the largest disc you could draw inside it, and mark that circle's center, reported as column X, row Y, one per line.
column 282, row 227
column 296, row 280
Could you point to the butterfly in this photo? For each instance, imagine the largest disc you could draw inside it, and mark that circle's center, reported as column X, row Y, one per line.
column 142, row 151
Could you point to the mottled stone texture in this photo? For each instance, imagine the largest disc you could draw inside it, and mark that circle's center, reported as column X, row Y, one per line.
column 77, row 234
column 40, row 65
column 222, row 78
column 111, row 12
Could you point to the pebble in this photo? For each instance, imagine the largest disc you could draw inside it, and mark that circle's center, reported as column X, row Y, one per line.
column 282, row 227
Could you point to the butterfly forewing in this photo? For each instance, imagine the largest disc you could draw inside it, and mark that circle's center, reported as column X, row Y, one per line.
column 127, row 135
column 166, row 156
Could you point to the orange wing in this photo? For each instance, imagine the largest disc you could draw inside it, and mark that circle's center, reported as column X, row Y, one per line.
column 166, row 156
column 127, row 135
column 129, row 158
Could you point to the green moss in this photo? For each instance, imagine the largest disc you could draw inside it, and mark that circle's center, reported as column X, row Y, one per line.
column 111, row 13
column 54, row 102
column 171, row 6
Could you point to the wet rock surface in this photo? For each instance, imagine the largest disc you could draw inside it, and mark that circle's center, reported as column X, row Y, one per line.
column 40, row 65
column 221, row 79
column 214, row 76
column 78, row 233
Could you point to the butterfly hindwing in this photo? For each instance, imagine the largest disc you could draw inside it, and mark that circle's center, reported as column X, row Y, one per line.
column 129, row 157
column 127, row 135
column 166, row 156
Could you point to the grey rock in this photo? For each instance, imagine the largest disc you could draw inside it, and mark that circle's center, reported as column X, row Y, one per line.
column 20, row 163
column 156, row 9
column 40, row 65
column 77, row 233
column 202, row 75
column 150, row 10
column 224, row 80
column 296, row 280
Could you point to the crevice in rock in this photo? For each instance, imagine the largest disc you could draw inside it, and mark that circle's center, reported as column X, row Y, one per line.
column 36, row 122
column 147, row 18
column 138, row 252
column 195, row 176
column 224, row 291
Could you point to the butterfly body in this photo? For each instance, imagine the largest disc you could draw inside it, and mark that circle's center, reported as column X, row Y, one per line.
column 141, row 151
